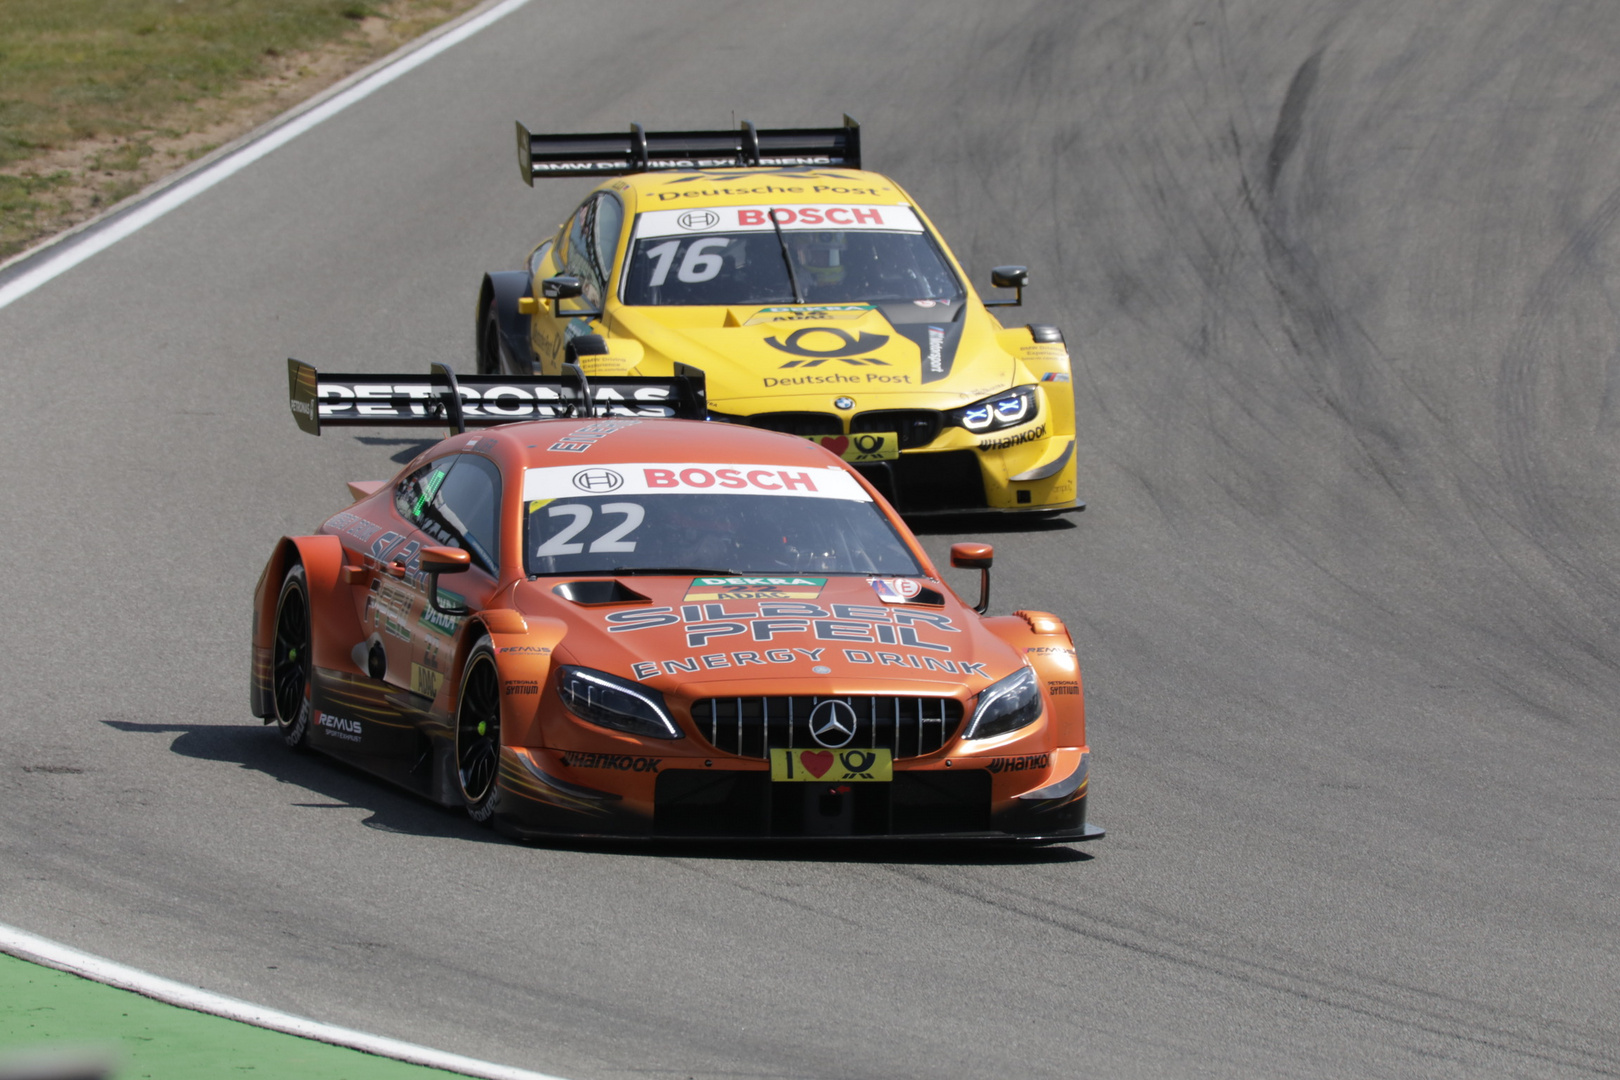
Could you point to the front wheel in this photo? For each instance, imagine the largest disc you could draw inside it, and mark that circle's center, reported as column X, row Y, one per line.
column 489, row 343
column 290, row 659
column 493, row 356
column 478, row 733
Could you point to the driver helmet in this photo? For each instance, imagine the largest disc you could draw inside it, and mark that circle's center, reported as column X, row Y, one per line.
column 822, row 254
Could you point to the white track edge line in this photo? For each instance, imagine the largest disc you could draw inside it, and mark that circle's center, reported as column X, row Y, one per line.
column 188, row 189
column 32, row 947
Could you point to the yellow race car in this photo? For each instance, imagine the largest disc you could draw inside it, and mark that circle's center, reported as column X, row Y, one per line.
column 816, row 299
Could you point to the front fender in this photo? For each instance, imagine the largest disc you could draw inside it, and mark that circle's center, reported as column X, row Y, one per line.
column 332, row 620
column 500, row 292
column 523, row 649
column 1042, row 639
column 1044, row 359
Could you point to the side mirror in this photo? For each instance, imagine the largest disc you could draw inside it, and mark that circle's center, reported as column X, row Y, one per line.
column 561, row 288
column 584, row 345
column 564, row 287
column 1009, row 277
column 978, row 557
column 443, row 560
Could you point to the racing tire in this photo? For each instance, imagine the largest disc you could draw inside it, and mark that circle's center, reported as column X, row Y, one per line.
column 292, row 659
column 489, row 342
column 493, row 357
column 478, row 733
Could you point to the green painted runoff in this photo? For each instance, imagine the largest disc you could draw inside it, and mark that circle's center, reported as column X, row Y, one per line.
column 42, row 1009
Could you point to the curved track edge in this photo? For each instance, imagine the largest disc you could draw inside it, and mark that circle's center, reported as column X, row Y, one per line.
column 31, row 947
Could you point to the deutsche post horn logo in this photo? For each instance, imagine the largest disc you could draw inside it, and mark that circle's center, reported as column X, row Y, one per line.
column 847, row 345
column 832, row 724
column 598, row 481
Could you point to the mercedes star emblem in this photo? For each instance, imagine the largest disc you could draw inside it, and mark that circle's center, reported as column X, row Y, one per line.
column 832, row 724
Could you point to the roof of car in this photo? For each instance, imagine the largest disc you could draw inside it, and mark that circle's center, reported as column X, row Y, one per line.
column 610, row 439
column 747, row 186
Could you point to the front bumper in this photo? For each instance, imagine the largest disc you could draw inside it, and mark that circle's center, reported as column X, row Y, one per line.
column 744, row 804
column 948, row 470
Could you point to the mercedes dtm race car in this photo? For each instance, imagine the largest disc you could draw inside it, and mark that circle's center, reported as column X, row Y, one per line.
column 635, row 625
column 817, row 299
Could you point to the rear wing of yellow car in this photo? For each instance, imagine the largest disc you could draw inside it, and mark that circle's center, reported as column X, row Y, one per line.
column 621, row 153
column 459, row 402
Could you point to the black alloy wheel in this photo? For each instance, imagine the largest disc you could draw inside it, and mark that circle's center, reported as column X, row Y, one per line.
column 290, row 659
column 478, row 733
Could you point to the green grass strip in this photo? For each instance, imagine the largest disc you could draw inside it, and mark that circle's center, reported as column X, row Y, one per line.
column 74, row 69
column 45, row 1009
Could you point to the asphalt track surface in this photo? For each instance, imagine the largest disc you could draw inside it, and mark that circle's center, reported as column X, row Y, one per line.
column 1339, row 279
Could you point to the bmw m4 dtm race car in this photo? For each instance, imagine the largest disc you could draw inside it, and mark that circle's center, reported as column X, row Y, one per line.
column 582, row 615
column 816, row 298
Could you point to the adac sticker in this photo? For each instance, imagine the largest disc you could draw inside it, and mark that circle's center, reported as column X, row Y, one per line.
column 895, row 590
column 425, row 681
column 755, row 588
column 803, row 314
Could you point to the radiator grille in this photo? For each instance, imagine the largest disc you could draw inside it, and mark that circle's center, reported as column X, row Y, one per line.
column 752, row 726
column 915, row 427
column 798, row 423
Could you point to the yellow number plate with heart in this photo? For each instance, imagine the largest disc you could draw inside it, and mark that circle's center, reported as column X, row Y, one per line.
column 865, row 446
column 832, row 766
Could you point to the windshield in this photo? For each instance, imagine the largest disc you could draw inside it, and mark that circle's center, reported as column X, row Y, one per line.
column 706, row 519
column 833, row 254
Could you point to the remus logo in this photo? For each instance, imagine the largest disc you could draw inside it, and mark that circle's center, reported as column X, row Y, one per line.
column 338, row 727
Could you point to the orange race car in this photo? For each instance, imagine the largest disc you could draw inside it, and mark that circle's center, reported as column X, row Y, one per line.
column 658, row 628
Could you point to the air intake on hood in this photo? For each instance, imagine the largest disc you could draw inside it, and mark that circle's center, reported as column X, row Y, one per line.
column 594, row 591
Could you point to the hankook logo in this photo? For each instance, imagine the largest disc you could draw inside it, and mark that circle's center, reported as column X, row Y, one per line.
column 698, row 220
column 832, row 724
column 598, row 480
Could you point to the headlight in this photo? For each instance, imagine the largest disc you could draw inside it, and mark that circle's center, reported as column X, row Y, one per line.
column 615, row 703
column 1005, row 706
column 1006, row 409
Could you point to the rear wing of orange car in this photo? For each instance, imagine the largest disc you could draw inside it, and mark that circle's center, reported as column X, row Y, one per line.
column 621, row 153
column 459, row 402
